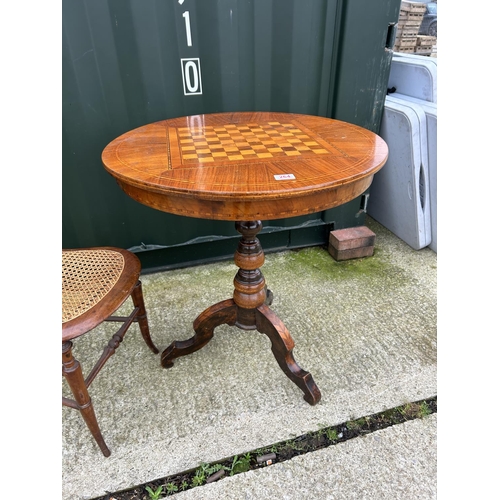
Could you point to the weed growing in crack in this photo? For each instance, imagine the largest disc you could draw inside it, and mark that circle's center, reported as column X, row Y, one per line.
column 154, row 495
column 331, row 434
column 199, row 477
column 424, row 410
column 171, row 488
column 285, row 450
column 240, row 464
column 415, row 410
column 354, row 425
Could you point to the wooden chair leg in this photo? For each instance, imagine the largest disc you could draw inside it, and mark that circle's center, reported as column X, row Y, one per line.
column 142, row 318
column 73, row 373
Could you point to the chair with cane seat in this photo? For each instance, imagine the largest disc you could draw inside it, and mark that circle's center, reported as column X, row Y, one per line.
column 95, row 283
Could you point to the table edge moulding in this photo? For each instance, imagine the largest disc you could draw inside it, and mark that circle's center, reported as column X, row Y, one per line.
column 150, row 167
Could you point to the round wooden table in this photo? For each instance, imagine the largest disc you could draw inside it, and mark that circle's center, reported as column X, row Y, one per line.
column 246, row 167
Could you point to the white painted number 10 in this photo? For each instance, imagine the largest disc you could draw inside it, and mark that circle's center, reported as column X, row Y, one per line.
column 191, row 69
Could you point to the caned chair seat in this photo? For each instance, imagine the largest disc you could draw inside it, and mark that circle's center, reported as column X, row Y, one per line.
column 95, row 283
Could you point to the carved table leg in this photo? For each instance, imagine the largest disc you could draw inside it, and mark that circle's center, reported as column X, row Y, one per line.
column 248, row 310
column 72, row 371
column 204, row 325
column 282, row 345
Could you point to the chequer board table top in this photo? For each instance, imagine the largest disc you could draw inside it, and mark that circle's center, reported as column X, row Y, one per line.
column 245, row 165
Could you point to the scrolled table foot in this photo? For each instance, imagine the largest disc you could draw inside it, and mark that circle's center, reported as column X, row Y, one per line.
column 204, row 325
column 170, row 353
column 282, row 346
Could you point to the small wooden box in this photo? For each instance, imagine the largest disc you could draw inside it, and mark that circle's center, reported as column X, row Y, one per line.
column 414, row 20
column 408, row 41
column 415, row 7
column 424, row 51
column 351, row 243
column 410, row 50
column 426, row 41
column 408, row 31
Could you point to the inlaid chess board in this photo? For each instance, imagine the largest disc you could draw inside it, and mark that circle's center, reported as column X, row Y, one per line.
column 233, row 142
column 245, row 165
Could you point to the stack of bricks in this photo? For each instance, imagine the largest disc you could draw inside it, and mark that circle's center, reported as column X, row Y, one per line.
column 351, row 243
column 411, row 15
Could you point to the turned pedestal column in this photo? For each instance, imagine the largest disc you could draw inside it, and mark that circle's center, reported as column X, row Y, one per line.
column 248, row 310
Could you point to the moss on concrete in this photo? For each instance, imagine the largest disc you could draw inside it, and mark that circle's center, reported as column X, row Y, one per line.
column 318, row 263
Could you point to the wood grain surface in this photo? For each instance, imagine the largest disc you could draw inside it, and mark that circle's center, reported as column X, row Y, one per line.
column 245, row 166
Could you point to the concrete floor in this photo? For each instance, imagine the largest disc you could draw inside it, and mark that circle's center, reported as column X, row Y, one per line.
column 365, row 329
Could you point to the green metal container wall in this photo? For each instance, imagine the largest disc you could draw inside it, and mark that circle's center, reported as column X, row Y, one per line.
column 123, row 63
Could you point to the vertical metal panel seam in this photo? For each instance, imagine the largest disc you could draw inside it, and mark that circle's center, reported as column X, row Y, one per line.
column 336, row 55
